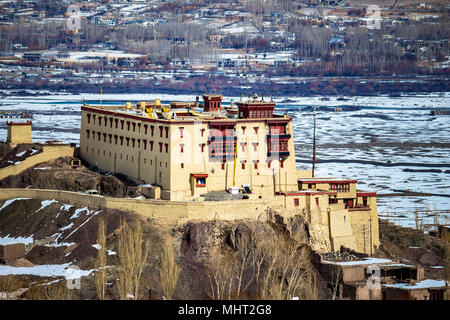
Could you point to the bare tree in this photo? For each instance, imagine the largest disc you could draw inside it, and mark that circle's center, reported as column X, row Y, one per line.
column 168, row 268
column 133, row 253
column 100, row 262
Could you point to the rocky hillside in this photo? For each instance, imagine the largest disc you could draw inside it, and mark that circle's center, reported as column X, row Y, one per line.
column 59, row 174
column 211, row 255
column 57, row 233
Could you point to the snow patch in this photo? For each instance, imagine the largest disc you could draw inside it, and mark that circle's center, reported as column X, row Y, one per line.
column 78, row 212
column 8, row 240
column 49, row 270
column 66, row 207
column 45, row 204
column 8, row 202
column 424, row 284
column 67, row 227
column 360, row 262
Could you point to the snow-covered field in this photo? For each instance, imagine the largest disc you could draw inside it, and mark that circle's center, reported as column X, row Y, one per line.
column 357, row 144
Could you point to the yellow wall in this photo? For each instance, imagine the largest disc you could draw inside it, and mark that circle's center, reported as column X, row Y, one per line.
column 19, row 134
column 48, row 153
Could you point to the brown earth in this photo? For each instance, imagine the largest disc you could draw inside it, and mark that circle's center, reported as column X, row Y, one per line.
column 59, row 174
column 196, row 244
column 8, row 155
column 414, row 247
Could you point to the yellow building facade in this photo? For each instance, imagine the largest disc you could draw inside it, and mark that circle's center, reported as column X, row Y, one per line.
column 19, row 132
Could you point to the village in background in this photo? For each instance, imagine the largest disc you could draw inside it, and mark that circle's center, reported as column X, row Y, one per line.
column 216, row 195
column 283, row 47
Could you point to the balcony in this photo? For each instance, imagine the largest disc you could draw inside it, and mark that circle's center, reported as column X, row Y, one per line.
column 278, row 136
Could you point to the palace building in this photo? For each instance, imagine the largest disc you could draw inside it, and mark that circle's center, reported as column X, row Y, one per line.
column 191, row 150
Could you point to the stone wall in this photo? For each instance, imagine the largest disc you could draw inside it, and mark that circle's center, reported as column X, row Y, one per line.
column 48, row 153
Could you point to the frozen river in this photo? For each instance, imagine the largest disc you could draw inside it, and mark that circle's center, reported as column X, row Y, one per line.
column 350, row 144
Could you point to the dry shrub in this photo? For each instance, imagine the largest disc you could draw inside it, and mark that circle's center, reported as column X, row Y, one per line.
column 133, row 253
column 168, row 268
column 54, row 291
column 9, row 285
column 263, row 267
column 289, row 272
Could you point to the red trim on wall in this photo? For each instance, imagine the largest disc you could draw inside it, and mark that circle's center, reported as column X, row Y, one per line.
column 328, row 181
column 11, row 123
column 366, row 194
column 309, row 193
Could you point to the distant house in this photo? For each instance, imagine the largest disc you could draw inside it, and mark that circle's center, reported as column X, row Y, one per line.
column 19, row 46
column 227, row 63
column 32, row 56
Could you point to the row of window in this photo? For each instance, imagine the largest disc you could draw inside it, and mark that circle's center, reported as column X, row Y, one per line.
column 127, row 141
column 340, row 187
column 123, row 157
column 129, row 125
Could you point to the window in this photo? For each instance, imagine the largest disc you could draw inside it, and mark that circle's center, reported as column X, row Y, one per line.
column 255, row 163
column 202, row 131
column 145, row 144
column 202, row 146
column 255, row 146
column 117, row 122
column 128, row 125
column 181, row 132
column 243, row 146
column 121, row 124
column 256, row 129
column 160, row 131
column 311, row 185
column 121, row 141
column 317, row 201
column 145, row 128
column 200, row 181
column 110, row 122
column 223, row 165
column 115, row 139
column 166, row 145
column 296, row 202
column 87, row 133
column 160, row 147
column 268, row 164
column 340, row 187
column 282, row 163
column 243, row 129
column 151, row 145
column 134, row 126
column 167, row 131
column 133, row 142
column 139, row 143
column 182, row 165
column 88, row 118
column 104, row 137
column 152, row 128
column 128, row 142
column 181, row 148
column 365, row 201
column 110, row 138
